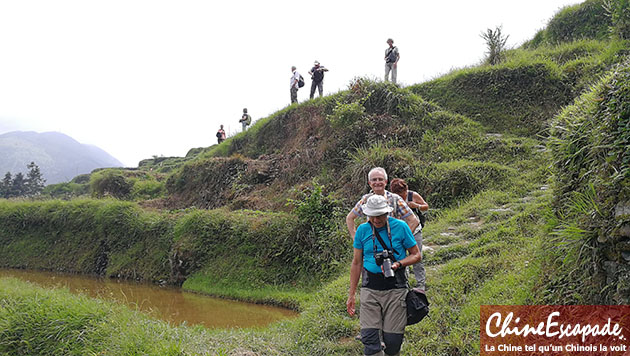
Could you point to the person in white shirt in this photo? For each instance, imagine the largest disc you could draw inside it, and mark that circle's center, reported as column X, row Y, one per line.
column 295, row 78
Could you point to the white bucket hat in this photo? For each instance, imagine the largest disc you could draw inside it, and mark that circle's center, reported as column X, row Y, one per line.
column 376, row 205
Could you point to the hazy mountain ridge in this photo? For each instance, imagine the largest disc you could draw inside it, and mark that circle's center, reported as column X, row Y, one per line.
column 59, row 156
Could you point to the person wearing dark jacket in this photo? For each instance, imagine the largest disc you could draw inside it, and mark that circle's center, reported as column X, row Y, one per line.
column 317, row 75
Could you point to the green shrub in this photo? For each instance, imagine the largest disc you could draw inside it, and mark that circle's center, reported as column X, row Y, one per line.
column 585, row 20
column 147, row 189
column 445, row 183
column 398, row 162
column 511, row 97
column 81, row 179
column 319, row 216
column 110, row 182
column 345, row 114
column 66, row 190
column 495, row 42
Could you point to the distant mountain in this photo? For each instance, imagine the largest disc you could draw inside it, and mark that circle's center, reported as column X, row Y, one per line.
column 59, row 156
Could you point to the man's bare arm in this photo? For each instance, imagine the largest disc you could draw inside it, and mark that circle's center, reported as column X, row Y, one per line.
column 412, row 221
column 352, row 229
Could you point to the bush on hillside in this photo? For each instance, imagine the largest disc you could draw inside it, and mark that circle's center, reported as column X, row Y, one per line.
column 590, row 143
column 443, row 184
column 66, row 190
column 588, row 20
column 110, row 182
column 81, row 179
column 504, row 98
column 345, row 114
column 127, row 184
column 398, row 162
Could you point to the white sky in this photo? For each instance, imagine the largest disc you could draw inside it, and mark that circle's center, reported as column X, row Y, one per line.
column 141, row 78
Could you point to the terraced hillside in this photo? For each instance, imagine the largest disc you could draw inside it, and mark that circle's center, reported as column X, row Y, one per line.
column 518, row 173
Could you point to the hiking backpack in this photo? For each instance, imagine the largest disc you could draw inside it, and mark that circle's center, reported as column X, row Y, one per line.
column 301, row 81
column 248, row 119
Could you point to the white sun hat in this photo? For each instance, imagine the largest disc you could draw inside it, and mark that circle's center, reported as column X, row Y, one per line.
column 376, row 205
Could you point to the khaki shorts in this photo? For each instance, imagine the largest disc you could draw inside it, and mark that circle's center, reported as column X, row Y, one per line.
column 384, row 309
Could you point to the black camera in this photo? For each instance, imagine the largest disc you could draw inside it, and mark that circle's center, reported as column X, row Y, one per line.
column 384, row 259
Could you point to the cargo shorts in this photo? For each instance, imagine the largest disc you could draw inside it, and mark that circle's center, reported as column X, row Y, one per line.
column 384, row 309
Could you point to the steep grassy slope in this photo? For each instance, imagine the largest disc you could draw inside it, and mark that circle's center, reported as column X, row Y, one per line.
column 591, row 151
column 336, row 140
column 519, row 95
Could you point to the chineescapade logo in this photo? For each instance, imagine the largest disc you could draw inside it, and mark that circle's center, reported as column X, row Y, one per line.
column 555, row 330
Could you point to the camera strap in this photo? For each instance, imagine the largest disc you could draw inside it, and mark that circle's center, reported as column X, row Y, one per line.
column 376, row 235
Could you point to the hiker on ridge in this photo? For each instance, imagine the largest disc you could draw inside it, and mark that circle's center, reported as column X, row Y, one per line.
column 416, row 202
column 245, row 119
column 295, row 80
column 317, row 75
column 377, row 180
column 391, row 60
column 221, row 135
column 384, row 282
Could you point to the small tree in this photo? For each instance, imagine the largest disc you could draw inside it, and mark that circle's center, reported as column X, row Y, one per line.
column 18, row 186
column 5, row 185
column 34, row 180
column 495, row 41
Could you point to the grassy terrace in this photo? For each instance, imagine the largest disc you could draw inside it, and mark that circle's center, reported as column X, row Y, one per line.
column 486, row 250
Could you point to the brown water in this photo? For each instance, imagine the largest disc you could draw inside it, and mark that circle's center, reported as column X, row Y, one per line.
column 166, row 303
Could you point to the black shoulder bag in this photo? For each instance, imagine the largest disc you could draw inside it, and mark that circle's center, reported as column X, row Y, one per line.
column 417, row 306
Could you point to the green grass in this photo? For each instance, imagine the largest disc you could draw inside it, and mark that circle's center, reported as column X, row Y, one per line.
column 34, row 321
column 497, row 266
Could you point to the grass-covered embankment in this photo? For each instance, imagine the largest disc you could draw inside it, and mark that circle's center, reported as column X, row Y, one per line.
column 590, row 142
column 34, row 321
column 277, row 254
column 486, row 251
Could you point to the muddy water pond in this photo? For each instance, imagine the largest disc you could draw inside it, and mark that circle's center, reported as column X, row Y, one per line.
column 166, row 303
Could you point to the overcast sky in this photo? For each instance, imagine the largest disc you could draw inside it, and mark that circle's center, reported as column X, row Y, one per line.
column 143, row 78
